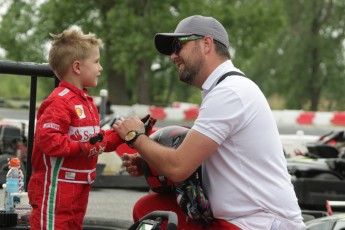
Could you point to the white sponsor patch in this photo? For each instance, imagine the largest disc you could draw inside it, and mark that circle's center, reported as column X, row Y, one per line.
column 83, row 133
column 63, row 92
column 51, row 126
column 70, row 175
column 80, row 111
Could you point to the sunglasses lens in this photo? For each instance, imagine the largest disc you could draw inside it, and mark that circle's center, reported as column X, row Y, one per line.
column 177, row 46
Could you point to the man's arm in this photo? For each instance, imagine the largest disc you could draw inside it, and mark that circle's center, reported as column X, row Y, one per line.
column 176, row 164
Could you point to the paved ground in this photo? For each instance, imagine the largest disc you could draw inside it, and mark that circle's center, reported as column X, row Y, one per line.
column 112, row 205
column 107, row 208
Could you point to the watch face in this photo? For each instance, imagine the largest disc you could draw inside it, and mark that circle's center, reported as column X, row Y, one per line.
column 130, row 135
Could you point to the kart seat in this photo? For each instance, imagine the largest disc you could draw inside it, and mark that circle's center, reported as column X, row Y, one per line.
column 323, row 150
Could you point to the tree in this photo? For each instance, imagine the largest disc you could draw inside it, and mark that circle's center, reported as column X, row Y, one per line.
column 306, row 60
column 127, row 29
column 22, row 43
column 292, row 49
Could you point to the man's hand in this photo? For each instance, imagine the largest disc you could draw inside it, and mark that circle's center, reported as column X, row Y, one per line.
column 132, row 163
column 134, row 123
column 95, row 146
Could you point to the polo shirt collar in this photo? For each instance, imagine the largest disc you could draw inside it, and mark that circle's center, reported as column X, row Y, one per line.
column 216, row 74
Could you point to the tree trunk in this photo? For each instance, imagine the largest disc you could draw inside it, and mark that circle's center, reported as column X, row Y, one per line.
column 142, row 83
column 117, row 93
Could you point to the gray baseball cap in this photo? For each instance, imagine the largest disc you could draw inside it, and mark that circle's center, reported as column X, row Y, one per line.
column 197, row 25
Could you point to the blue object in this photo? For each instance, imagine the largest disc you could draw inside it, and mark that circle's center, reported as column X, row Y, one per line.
column 12, row 186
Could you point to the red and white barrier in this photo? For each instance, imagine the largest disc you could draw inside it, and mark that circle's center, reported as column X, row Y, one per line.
column 189, row 112
column 300, row 117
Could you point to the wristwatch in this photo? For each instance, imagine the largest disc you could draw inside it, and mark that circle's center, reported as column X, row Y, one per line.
column 131, row 136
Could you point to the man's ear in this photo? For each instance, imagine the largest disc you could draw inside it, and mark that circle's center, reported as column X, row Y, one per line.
column 76, row 67
column 208, row 44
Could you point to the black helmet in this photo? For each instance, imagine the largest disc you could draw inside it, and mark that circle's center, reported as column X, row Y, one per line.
column 171, row 136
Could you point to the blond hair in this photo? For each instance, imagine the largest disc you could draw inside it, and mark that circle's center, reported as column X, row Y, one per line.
column 70, row 45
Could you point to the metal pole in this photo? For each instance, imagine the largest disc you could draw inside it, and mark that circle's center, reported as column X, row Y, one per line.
column 32, row 115
column 26, row 68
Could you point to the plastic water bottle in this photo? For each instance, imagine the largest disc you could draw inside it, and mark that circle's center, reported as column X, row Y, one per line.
column 14, row 184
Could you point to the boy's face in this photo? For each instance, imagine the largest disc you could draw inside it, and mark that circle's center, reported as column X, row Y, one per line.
column 90, row 69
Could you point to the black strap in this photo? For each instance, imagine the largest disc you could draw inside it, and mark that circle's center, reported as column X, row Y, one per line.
column 229, row 74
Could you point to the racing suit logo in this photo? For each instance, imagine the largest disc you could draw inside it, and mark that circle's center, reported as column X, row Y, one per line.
column 76, row 136
column 94, row 151
column 80, row 111
column 63, row 92
column 82, row 133
column 51, row 125
column 70, row 175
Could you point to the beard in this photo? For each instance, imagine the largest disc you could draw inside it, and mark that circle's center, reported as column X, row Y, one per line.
column 192, row 68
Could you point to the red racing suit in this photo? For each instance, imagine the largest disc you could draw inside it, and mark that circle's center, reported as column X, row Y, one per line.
column 62, row 176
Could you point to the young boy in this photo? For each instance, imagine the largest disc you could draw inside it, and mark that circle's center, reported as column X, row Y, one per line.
column 63, row 160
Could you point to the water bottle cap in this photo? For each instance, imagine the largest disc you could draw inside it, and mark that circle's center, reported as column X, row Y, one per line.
column 14, row 162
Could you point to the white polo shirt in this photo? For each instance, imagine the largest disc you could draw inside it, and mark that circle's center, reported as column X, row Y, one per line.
column 246, row 179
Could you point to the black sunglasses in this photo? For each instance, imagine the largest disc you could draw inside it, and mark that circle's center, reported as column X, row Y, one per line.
column 179, row 42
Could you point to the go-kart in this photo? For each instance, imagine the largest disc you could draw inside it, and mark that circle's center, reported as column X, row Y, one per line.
column 153, row 221
column 319, row 174
column 13, row 143
column 330, row 145
column 324, row 160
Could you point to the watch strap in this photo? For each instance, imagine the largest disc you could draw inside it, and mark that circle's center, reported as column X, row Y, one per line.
column 137, row 134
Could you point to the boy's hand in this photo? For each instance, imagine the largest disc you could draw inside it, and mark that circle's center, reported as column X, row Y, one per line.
column 95, row 146
column 149, row 122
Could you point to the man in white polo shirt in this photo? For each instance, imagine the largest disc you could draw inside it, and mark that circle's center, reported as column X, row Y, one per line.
column 235, row 139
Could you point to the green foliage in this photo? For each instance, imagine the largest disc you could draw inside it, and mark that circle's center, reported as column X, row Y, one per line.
column 306, row 61
column 292, row 49
column 17, row 87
